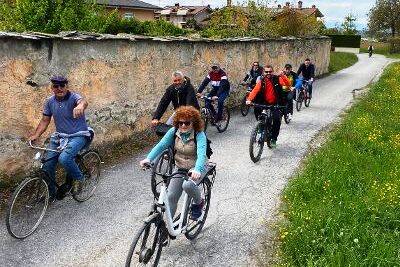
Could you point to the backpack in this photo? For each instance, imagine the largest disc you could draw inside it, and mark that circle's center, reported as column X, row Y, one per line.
column 209, row 151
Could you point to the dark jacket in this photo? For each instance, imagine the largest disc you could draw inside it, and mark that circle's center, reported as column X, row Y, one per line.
column 219, row 81
column 307, row 72
column 253, row 75
column 184, row 96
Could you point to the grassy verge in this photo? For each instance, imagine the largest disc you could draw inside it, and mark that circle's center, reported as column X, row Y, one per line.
column 341, row 60
column 343, row 208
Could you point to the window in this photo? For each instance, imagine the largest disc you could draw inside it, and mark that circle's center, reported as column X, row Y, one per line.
column 128, row 15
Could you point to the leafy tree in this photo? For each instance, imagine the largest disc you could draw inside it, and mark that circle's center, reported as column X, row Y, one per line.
column 384, row 17
column 348, row 25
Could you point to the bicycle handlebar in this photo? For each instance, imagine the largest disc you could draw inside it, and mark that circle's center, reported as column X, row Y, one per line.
column 267, row 106
column 208, row 98
column 42, row 148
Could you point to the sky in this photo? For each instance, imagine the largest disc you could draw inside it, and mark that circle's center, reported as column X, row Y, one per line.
column 334, row 11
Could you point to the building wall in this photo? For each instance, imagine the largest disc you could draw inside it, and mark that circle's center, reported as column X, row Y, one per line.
column 123, row 80
column 140, row 14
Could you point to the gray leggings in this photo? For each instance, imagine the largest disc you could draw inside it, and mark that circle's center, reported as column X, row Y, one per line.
column 175, row 188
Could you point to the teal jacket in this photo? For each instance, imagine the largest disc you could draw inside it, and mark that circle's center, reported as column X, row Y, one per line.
column 169, row 139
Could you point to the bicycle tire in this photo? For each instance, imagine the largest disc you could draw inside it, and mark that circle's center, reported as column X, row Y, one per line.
column 226, row 116
column 162, row 164
column 144, row 254
column 244, row 109
column 299, row 101
column 194, row 230
column 286, row 116
column 204, row 117
column 260, row 128
column 89, row 163
column 18, row 194
column 307, row 101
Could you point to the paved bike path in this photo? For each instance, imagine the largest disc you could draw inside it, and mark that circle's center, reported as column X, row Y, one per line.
column 245, row 195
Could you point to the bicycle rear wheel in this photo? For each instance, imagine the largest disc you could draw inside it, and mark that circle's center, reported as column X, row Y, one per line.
column 244, row 109
column 164, row 165
column 223, row 124
column 146, row 246
column 257, row 140
column 89, row 163
column 299, row 101
column 204, row 116
column 27, row 207
column 193, row 228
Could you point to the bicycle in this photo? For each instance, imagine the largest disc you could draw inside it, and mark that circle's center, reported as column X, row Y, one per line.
column 303, row 95
column 159, row 228
column 29, row 202
column 209, row 116
column 244, row 109
column 262, row 131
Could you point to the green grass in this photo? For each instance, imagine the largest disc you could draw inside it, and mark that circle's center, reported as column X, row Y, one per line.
column 341, row 60
column 343, row 208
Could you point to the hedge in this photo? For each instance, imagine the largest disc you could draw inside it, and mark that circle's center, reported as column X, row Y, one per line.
column 353, row 41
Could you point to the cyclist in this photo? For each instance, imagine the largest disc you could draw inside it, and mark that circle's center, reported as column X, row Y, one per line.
column 220, row 89
column 190, row 144
column 72, row 133
column 370, row 50
column 289, row 89
column 307, row 70
column 268, row 91
column 255, row 72
column 181, row 93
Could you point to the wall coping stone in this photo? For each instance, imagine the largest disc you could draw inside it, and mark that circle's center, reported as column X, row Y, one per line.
column 86, row 36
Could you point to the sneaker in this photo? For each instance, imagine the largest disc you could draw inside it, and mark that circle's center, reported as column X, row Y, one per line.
column 77, row 187
column 273, row 143
column 196, row 210
column 290, row 116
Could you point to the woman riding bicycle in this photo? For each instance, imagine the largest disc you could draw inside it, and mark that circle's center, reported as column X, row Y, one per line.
column 190, row 144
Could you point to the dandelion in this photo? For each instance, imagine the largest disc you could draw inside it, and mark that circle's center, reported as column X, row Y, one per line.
column 355, row 240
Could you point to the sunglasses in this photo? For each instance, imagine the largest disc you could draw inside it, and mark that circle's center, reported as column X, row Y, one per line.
column 177, row 80
column 268, row 71
column 56, row 86
column 187, row 123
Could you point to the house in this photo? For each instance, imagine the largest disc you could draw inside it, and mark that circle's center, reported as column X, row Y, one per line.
column 280, row 11
column 131, row 8
column 179, row 15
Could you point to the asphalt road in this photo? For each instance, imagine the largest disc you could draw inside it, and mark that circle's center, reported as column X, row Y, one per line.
column 245, row 195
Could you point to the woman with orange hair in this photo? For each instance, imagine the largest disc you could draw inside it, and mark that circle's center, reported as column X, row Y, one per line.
column 190, row 145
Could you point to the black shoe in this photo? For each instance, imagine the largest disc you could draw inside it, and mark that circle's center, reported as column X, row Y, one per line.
column 63, row 190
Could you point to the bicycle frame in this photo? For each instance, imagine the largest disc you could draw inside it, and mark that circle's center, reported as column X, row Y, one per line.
column 167, row 217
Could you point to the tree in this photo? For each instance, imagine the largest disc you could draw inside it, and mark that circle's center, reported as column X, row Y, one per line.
column 384, row 17
column 348, row 25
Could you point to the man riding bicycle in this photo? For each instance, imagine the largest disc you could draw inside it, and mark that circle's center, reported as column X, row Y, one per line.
column 72, row 134
column 220, row 89
column 268, row 91
column 307, row 70
column 255, row 72
column 289, row 90
column 181, row 93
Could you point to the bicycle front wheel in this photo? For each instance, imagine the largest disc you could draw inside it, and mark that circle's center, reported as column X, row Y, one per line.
column 90, row 166
column 27, row 207
column 223, row 124
column 163, row 165
column 307, row 100
column 299, row 101
column 194, row 227
column 244, row 109
column 257, row 140
column 147, row 244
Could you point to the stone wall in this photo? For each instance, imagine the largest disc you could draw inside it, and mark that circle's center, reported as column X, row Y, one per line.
column 122, row 77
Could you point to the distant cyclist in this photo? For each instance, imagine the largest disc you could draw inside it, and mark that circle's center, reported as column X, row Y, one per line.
column 181, row 93
column 220, row 89
column 307, row 70
column 289, row 90
column 370, row 50
column 252, row 76
column 268, row 91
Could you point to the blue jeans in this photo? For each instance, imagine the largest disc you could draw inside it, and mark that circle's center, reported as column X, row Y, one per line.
column 66, row 158
column 221, row 99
